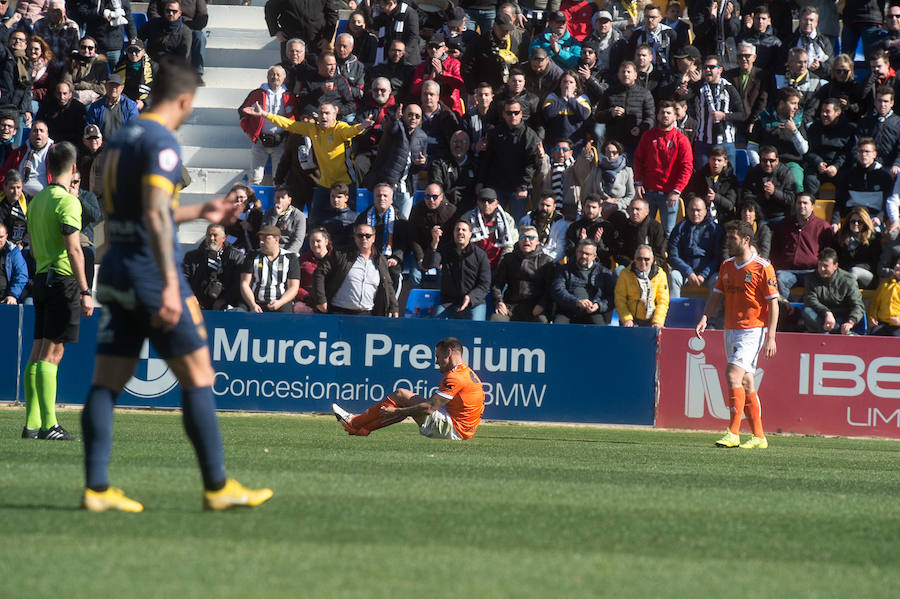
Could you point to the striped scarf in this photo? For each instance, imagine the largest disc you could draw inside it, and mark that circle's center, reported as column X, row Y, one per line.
column 388, row 238
column 557, row 171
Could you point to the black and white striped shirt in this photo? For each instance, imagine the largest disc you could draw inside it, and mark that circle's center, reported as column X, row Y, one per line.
column 719, row 97
column 269, row 277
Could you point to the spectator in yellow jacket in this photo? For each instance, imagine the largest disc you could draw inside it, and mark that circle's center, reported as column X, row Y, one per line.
column 884, row 309
column 642, row 292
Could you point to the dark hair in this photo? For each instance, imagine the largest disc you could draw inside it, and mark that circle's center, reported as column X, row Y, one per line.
column 282, row 189
column 516, row 71
column 743, row 228
column 719, row 151
column 879, row 54
column 586, row 242
column 828, row 254
column 252, row 200
column 509, row 102
column 866, row 141
column 833, row 102
column 627, row 63
column 323, row 55
column 60, row 158
column 341, row 188
column 12, row 176
column 483, row 84
column 767, row 150
column 174, row 78
column 884, row 90
column 616, row 144
column 805, row 194
column 715, row 57
column 448, row 344
column 786, row 93
column 752, row 205
column 563, row 140
column 664, row 104
column 762, row 9
column 592, row 198
column 321, row 231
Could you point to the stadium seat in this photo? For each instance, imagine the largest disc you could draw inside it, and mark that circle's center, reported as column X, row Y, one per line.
column 342, row 26
column 742, row 164
column 679, row 216
column 684, row 312
column 418, row 196
column 421, row 303
column 140, row 18
column 363, row 199
column 265, row 194
column 823, row 209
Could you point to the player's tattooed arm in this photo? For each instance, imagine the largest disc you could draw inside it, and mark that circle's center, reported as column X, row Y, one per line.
column 160, row 230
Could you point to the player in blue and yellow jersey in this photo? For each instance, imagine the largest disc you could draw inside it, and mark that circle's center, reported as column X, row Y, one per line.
column 145, row 295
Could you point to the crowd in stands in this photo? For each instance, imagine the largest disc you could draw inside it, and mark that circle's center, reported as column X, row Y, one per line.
column 541, row 161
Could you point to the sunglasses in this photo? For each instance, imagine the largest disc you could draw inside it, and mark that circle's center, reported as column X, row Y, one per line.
column 513, row 112
column 563, row 148
column 432, row 196
column 75, row 181
column 841, row 71
column 611, row 152
column 365, row 235
column 711, row 67
column 746, row 56
column 83, row 47
column 133, row 51
column 768, row 160
column 856, row 221
column 170, row 11
column 527, row 237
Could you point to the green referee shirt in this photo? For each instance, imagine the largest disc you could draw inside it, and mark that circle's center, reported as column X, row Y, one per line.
column 47, row 213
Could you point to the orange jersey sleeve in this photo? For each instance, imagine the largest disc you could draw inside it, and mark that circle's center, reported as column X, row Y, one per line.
column 747, row 289
column 463, row 388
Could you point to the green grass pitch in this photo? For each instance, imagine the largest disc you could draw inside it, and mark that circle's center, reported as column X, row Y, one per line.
column 520, row 511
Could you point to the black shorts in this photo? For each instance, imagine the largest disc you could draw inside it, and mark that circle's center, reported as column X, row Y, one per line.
column 57, row 308
column 130, row 290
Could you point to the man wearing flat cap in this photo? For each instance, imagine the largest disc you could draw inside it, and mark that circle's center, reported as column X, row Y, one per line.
column 111, row 112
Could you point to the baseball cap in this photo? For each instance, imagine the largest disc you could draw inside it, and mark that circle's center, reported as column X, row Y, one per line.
column 92, row 131
column 436, row 40
column 687, row 52
column 457, row 16
column 270, row 230
column 114, row 78
column 136, row 43
column 558, row 15
column 602, row 14
column 503, row 21
column 487, row 194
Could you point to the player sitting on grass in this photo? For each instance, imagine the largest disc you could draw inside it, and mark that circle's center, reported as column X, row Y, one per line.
column 460, row 394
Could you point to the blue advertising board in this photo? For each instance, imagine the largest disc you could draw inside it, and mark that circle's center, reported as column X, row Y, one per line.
column 10, row 348
column 303, row 363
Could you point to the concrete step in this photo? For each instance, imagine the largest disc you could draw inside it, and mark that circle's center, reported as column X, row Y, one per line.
column 211, row 181
column 229, row 76
column 213, row 136
column 223, row 97
column 214, row 116
column 250, row 59
column 236, row 17
column 245, row 38
column 201, row 156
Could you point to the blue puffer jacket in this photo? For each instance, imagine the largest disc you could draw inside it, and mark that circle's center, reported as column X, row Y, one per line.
column 600, row 286
column 96, row 112
column 16, row 270
column 696, row 248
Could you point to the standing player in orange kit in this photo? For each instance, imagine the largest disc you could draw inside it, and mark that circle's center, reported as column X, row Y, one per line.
column 460, row 395
column 747, row 283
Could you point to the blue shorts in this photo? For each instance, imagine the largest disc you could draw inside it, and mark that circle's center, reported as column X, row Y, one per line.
column 130, row 288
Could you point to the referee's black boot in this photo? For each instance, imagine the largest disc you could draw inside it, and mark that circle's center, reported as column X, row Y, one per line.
column 56, row 433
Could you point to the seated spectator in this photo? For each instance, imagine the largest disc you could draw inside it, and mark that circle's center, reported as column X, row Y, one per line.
column 195, row 16
column 558, row 177
column 884, row 309
column 829, row 137
column 213, row 270
column 819, row 48
column 642, row 295
column 509, row 160
column 338, row 220
column 61, row 33
column 566, row 110
column 349, row 67
column 365, row 43
column 87, row 72
column 394, row 68
column 137, row 70
column 444, row 70
column 107, row 23
column 356, row 282
column 782, row 128
column 243, row 234
column 13, row 210
column 13, row 270
column 43, row 71
column 562, row 47
column 8, row 128
column 326, row 85
column 319, row 248
column 289, row 220
column 627, row 110
column 90, row 216
column 771, row 185
column 695, row 247
column 455, row 33
column 591, row 226
column 831, row 300
column 438, row 123
column 796, row 243
column 30, row 159
column 113, row 111
column 391, row 229
column 752, row 83
column 492, row 229
column 883, row 125
column 541, row 73
column 457, row 174
column 433, row 211
column 550, row 225
column 842, row 86
column 268, row 139
column 798, row 77
column 402, row 153
column 663, row 163
column 750, row 212
column 270, row 277
column 890, row 39
column 864, row 184
column 880, row 75
column 609, row 177
column 490, row 56
column 716, row 183
column 626, row 233
column 465, row 273
column 521, row 285
column 64, row 115
column 859, row 247
column 583, row 290
column 167, row 35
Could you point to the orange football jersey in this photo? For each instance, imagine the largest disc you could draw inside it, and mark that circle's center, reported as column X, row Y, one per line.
column 747, row 289
column 463, row 388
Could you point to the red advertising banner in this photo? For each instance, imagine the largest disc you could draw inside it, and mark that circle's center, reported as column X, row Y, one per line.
column 816, row 384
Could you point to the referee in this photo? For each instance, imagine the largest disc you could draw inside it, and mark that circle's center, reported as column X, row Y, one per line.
column 61, row 293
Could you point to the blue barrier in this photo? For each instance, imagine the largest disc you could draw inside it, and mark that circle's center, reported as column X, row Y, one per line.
column 684, row 312
column 303, row 363
column 10, row 387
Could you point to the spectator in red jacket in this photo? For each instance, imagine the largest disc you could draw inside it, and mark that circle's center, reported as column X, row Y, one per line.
column 444, row 69
column 796, row 243
column 268, row 139
column 663, row 163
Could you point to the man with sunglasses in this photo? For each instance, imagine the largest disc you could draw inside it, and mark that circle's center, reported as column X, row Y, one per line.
column 86, row 72
column 771, row 184
column 194, row 14
column 751, row 83
column 167, row 35
column 8, row 128
column 890, row 38
column 434, row 211
column 137, row 70
column 521, row 284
